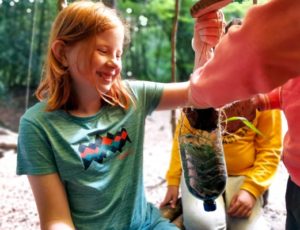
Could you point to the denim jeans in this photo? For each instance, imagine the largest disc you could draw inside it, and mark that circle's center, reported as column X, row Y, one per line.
column 155, row 221
column 292, row 200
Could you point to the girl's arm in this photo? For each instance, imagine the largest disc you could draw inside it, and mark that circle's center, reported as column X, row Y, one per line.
column 175, row 95
column 51, row 201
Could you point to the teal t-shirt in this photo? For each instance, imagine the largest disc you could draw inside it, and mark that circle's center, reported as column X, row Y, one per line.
column 99, row 158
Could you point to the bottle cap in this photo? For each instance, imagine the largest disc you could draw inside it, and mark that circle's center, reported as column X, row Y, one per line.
column 209, row 205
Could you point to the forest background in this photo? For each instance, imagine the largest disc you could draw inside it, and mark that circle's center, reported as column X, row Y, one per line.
column 24, row 31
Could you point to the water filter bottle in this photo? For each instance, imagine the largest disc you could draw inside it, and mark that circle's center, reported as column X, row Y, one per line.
column 202, row 157
column 201, row 151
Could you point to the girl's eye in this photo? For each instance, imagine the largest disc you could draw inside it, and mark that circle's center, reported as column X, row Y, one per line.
column 119, row 55
column 104, row 51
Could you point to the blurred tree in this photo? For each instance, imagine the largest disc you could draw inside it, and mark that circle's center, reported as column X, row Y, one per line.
column 16, row 24
column 148, row 56
column 110, row 3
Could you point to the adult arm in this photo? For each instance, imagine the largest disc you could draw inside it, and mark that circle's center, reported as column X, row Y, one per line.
column 264, row 52
column 51, row 201
column 267, row 101
column 178, row 94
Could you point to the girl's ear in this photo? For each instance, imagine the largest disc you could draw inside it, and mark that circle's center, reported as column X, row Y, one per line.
column 58, row 49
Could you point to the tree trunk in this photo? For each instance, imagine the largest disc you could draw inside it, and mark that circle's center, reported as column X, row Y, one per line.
column 173, row 57
column 61, row 4
column 110, row 3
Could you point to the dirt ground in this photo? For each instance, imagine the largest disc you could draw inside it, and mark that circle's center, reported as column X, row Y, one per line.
column 17, row 207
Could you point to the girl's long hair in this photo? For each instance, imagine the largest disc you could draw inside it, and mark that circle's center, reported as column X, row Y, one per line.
column 80, row 21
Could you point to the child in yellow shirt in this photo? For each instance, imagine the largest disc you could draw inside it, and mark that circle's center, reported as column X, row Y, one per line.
column 251, row 161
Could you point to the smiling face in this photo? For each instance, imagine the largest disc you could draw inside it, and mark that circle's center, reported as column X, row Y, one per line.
column 99, row 69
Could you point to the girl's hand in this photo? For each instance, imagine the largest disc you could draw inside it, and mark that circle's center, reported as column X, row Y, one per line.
column 171, row 196
column 241, row 204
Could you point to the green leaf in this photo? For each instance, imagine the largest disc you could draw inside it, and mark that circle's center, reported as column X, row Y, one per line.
column 246, row 122
column 240, row 1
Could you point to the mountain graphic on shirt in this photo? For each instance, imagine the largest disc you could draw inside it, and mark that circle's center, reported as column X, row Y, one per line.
column 99, row 150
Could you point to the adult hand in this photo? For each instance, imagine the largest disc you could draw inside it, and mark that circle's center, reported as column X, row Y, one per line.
column 241, row 204
column 210, row 27
column 207, row 32
column 171, row 196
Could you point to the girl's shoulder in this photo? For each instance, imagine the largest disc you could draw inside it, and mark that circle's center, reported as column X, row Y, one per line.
column 36, row 112
column 37, row 109
column 142, row 86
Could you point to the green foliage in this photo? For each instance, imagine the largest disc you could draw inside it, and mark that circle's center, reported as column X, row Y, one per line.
column 246, row 122
column 16, row 24
column 149, row 54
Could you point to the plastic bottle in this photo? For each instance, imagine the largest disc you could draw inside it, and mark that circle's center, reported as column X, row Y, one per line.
column 202, row 157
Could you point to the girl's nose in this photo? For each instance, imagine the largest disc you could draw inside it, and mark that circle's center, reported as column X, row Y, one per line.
column 113, row 62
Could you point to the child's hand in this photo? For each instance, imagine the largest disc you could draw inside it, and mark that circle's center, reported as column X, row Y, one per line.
column 241, row 204
column 171, row 196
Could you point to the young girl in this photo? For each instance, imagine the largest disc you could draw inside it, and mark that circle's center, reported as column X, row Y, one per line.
column 82, row 144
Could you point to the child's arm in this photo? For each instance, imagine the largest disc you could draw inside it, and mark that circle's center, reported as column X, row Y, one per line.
column 175, row 95
column 268, row 150
column 171, row 196
column 51, row 201
column 174, row 172
column 267, row 157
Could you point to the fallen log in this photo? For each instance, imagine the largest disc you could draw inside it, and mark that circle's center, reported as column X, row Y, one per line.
column 8, row 139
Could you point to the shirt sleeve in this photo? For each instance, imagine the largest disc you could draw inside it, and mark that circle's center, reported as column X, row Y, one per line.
column 271, row 100
column 148, row 94
column 264, row 53
column 34, row 150
column 268, row 149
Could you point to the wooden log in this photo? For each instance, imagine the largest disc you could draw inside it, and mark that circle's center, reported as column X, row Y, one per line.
column 8, row 139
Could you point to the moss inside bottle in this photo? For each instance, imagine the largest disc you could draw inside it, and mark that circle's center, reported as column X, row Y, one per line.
column 202, row 157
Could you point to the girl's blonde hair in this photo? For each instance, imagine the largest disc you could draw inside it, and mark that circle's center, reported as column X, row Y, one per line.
column 79, row 21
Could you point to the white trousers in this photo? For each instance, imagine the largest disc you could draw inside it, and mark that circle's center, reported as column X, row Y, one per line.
column 196, row 218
